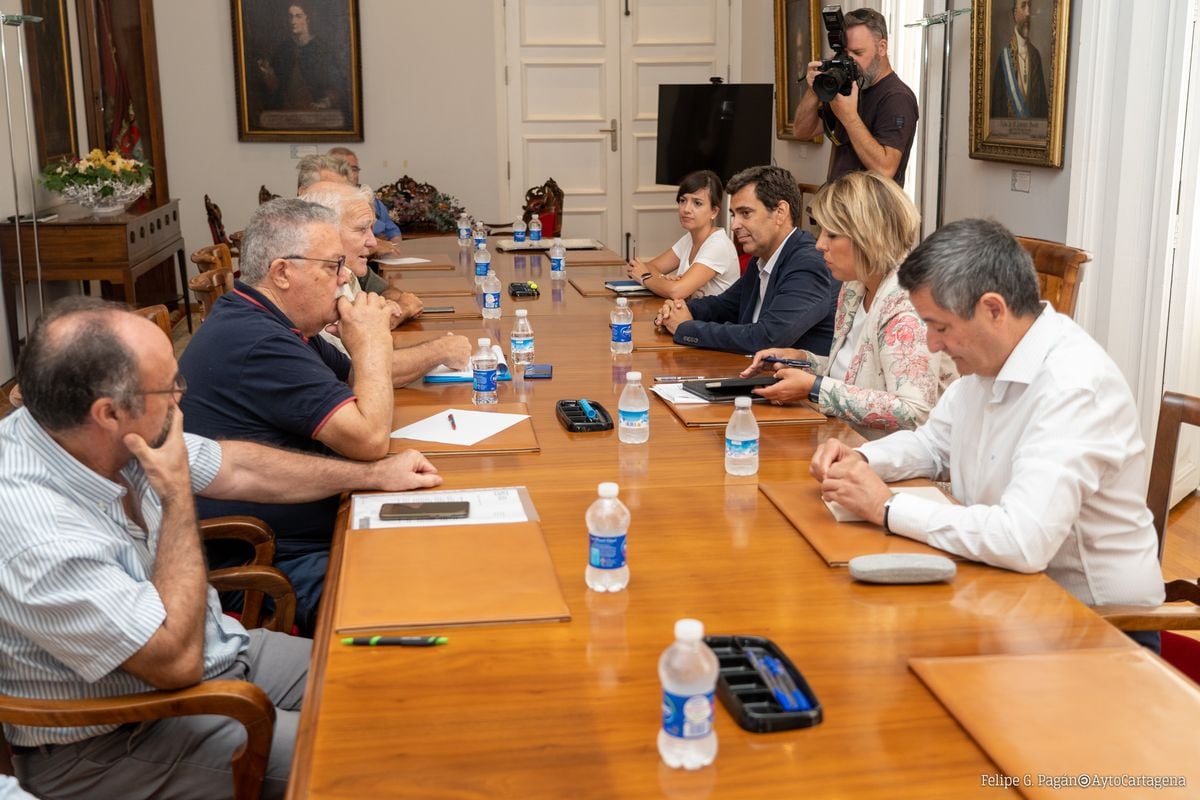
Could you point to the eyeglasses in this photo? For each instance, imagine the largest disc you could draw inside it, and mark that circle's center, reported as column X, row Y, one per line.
column 179, row 388
column 339, row 262
column 356, row 169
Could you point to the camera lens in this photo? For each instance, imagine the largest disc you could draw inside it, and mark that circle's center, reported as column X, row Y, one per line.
column 828, row 83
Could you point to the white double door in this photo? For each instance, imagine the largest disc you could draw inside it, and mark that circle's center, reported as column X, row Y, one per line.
column 582, row 95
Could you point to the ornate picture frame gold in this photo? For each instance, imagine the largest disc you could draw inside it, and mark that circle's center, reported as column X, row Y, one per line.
column 796, row 22
column 297, row 69
column 50, row 79
column 1019, row 88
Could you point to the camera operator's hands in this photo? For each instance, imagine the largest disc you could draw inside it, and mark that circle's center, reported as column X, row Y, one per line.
column 845, row 107
column 814, row 69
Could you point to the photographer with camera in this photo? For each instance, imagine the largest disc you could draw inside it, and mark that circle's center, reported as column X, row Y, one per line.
column 856, row 99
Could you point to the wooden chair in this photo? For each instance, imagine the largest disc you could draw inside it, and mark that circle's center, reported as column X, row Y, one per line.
column 213, row 255
column 1058, row 267
column 240, row 700
column 159, row 315
column 1176, row 411
column 265, row 195
column 209, row 285
column 215, row 224
column 542, row 200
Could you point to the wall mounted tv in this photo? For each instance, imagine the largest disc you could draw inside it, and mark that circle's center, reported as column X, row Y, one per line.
column 724, row 127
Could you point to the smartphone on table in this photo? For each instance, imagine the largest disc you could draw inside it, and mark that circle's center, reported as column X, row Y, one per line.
column 449, row 509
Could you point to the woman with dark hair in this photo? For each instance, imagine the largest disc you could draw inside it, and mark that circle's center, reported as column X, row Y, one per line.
column 704, row 260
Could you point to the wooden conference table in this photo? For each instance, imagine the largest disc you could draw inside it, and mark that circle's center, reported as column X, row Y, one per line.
column 572, row 709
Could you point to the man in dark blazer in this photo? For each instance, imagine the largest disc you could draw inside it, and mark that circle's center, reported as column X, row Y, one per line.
column 797, row 306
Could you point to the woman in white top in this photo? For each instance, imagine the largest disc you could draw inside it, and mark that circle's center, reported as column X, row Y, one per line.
column 879, row 374
column 704, row 261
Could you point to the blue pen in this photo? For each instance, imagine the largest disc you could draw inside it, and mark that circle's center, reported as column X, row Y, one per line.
column 789, row 685
column 587, row 408
column 771, row 681
column 788, row 362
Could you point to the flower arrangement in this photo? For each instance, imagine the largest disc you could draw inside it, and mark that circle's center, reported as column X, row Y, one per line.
column 104, row 182
column 421, row 207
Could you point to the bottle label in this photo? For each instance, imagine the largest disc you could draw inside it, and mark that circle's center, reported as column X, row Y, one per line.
column 535, row 234
column 606, row 552
column 633, row 419
column 491, row 299
column 485, row 379
column 464, row 234
column 557, row 264
column 741, row 447
column 481, row 268
column 518, row 236
column 622, row 332
column 522, row 345
column 687, row 716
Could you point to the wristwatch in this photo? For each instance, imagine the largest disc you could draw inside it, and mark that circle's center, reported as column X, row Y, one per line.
column 887, row 508
column 814, row 394
column 647, row 276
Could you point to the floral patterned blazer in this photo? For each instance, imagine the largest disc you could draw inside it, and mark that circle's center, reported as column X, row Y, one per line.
column 893, row 381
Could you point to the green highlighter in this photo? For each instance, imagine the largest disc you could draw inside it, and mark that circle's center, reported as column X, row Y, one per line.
column 395, row 641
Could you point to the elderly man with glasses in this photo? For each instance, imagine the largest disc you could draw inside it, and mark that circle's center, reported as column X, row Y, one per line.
column 103, row 583
column 258, row 370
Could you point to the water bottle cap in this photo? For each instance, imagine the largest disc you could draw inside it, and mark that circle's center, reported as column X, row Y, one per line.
column 633, row 377
column 689, row 630
column 608, row 489
column 522, row 312
column 741, row 402
column 622, row 302
column 484, row 342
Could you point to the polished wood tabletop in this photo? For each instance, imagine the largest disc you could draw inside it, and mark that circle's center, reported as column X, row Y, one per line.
column 572, row 709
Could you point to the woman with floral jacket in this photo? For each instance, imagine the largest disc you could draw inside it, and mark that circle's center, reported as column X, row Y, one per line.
column 879, row 374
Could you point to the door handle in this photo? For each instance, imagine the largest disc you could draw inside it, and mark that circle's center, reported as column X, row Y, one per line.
column 612, row 133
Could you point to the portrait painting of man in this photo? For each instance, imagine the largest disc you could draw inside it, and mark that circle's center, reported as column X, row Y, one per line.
column 1020, row 34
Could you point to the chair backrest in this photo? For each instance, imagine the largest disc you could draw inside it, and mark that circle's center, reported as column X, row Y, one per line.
column 215, row 226
column 265, row 195
column 1058, row 267
column 159, row 315
column 1175, row 411
column 213, row 255
column 543, row 200
column 209, row 285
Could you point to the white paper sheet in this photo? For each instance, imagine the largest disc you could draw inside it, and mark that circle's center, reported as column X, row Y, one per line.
column 675, row 393
column 470, row 427
column 395, row 261
column 931, row 493
column 488, row 506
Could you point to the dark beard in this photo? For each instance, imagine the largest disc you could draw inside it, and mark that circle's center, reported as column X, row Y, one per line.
column 161, row 439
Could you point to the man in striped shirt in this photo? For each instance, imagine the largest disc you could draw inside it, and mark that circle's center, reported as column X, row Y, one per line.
column 103, row 585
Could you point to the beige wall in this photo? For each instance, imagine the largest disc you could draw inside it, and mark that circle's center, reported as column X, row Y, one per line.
column 429, row 103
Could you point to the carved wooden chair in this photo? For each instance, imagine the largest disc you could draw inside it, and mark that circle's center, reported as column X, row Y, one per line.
column 209, row 285
column 265, row 195
column 1176, row 411
column 215, row 224
column 547, row 202
column 239, row 700
column 1058, row 267
column 159, row 315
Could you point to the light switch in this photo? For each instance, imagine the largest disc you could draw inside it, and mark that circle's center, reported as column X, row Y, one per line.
column 1020, row 180
column 302, row 150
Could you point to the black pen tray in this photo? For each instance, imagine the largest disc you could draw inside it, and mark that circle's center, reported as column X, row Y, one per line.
column 572, row 416
column 744, row 693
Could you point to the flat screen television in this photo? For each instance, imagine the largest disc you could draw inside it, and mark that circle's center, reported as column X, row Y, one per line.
column 724, row 127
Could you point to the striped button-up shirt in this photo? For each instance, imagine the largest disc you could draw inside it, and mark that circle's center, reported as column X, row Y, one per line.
column 76, row 599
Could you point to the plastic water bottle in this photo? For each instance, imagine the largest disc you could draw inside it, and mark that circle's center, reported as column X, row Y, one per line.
column 558, row 261
column 480, row 234
column 741, row 439
column 688, row 671
column 491, row 296
column 522, row 339
column 519, row 231
column 621, row 322
column 483, row 369
column 608, row 522
column 464, row 231
column 483, row 263
column 633, row 409
column 535, row 228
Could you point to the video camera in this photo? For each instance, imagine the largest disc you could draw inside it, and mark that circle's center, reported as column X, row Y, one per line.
column 837, row 73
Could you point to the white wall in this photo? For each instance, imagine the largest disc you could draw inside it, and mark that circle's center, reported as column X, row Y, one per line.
column 429, row 103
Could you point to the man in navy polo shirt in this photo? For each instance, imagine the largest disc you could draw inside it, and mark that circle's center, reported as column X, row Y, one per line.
column 257, row 370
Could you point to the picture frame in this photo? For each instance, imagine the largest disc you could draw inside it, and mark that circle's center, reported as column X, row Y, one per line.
column 297, row 70
column 1016, row 117
column 797, row 30
column 53, row 91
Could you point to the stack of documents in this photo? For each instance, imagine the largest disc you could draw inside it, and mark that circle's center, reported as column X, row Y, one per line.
column 443, row 374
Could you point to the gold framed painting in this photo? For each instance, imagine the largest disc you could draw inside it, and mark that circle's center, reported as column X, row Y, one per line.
column 797, row 41
column 53, row 94
column 1019, row 80
column 297, row 70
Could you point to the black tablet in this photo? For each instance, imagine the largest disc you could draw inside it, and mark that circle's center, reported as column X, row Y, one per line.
column 723, row 390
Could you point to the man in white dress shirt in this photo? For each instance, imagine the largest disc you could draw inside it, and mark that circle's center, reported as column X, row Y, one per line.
column 1039, row 439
